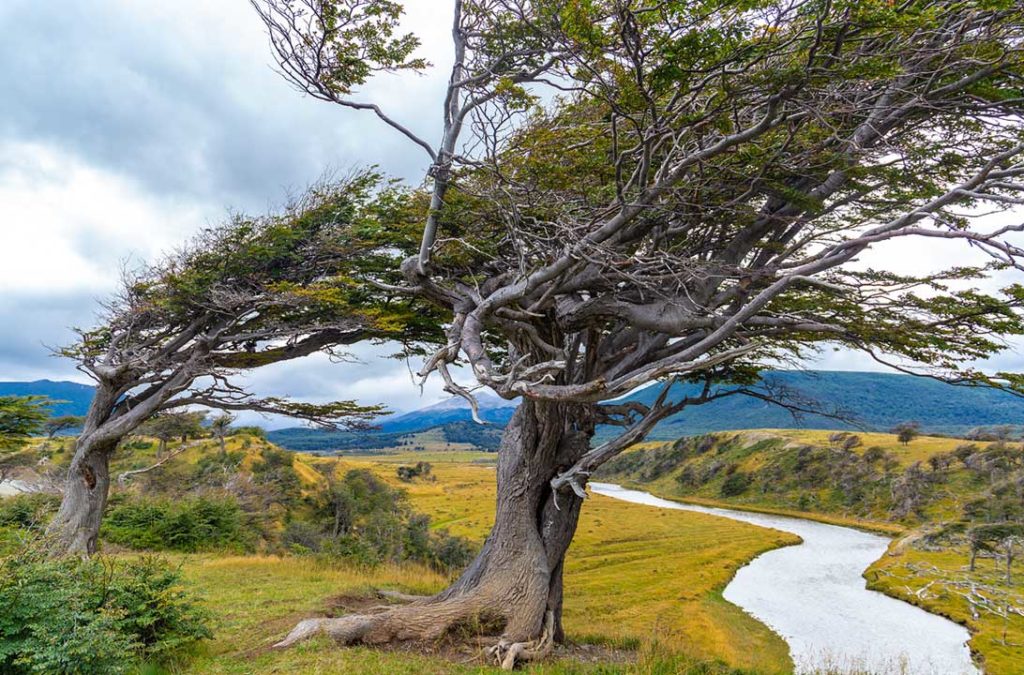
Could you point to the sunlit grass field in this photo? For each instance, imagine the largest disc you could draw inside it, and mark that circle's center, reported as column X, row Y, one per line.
column 637, row 577
column 640, row 579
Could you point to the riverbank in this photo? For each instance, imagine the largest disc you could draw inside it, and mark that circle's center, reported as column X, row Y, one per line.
column 815, row 597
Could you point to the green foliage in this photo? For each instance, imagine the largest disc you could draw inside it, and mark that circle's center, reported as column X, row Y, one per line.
column 28, row 511
column 61, row 423
column 170, row 425
column 907, row 431
column 276, row 468
column 408, row 473
column 257, row 432
column 70, row 615
column 361, row 518
column 187, row 524
column 735, row 484
column 20, row 417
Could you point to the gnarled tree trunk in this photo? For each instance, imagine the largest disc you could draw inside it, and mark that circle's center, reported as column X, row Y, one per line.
column 515, row 583
column 76, row 527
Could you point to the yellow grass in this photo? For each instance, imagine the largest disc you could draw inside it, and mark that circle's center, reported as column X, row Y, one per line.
column 635, row 575
column 928, row 579
column 633, row 571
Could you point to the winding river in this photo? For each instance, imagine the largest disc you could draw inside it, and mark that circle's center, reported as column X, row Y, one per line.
column 814, row 597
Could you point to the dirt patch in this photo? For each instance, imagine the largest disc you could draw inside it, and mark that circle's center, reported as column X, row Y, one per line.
column 340, row 605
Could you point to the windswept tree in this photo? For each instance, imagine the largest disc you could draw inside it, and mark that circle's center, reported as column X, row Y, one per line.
column 628, row 192
column 252, row 292
column 175, row 424
column 59, row 424
column 906, row 432
column 220, row 427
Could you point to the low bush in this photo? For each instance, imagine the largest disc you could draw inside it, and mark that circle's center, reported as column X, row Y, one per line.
column 363, row 520
column 189, row 524
column 80, row 616
column 28, row 511
column 736, row 484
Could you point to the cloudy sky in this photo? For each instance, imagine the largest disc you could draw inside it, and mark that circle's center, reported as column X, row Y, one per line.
column 125, row 126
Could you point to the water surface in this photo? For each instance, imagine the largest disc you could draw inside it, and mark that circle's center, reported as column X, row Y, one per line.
column 814, row 597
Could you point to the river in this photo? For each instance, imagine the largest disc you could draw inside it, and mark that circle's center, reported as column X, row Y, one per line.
column 815, row 597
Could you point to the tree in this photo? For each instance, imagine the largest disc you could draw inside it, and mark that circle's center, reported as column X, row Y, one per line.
column 991, row 536
column 167, row 426
column 251, row 292
column 627, row 191
column 61, row 423
column 20, row 418
column 906, row 432
column 221, row 428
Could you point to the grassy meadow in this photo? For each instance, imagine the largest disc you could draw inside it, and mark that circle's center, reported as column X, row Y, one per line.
column 637, row 579
column 643, row 585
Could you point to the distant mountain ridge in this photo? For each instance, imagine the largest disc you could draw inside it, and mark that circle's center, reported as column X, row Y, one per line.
column 492, row 409
column 874, row 401
column 870, row 401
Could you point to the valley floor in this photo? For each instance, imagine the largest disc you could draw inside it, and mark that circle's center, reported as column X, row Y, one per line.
column 637, row 581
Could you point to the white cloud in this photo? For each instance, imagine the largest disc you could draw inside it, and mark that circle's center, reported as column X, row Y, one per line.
column 67, row 225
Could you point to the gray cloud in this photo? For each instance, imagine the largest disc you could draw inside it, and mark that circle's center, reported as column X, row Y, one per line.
column 126, row 125
column 180, row 97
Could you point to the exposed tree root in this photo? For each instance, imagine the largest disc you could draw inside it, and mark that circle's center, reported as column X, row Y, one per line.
column 507, row 654
column 398, row 596
column 429, row 622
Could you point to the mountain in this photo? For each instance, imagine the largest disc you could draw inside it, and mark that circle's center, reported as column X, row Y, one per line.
column 74, row 397
column 872, row 401
column 492, row 409
column 451, row 417
column 867, row 401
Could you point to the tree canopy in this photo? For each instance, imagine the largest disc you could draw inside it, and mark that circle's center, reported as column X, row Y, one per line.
column 20, row 418
column 624, row 192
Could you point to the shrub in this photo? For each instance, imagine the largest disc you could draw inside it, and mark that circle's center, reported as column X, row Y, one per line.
column 29, row 511
column 736, row 484
column 92, row 616
column 189, row 524
column 368, row 522
column 408, row 473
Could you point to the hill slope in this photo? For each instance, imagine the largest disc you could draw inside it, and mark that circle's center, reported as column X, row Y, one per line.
column 873, row 402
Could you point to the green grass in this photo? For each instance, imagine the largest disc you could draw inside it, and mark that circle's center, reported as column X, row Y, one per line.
column 633, row 571
column 258, row 599
column 641, row 582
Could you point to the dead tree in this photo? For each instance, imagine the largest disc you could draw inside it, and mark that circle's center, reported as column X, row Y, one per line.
column 627, row 192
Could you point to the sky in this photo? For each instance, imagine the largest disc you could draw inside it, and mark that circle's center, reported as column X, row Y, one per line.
column 126, row 126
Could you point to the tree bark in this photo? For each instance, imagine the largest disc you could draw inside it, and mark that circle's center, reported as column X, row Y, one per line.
column 76, row 527
column 514, row 585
